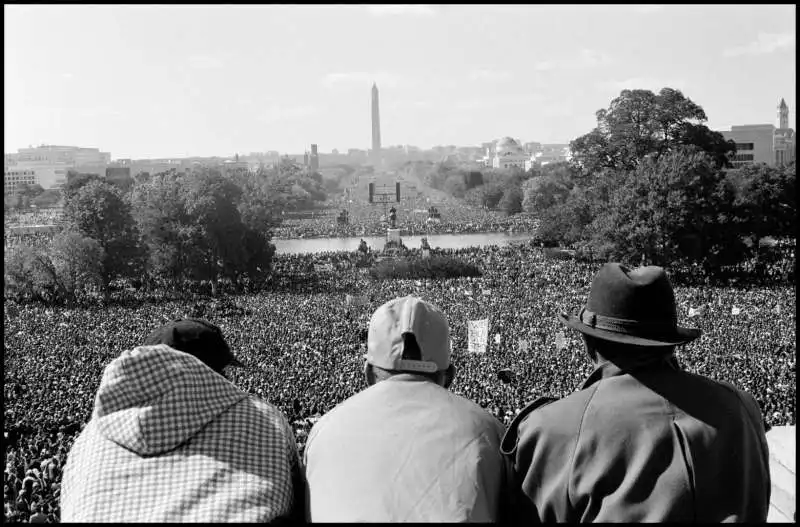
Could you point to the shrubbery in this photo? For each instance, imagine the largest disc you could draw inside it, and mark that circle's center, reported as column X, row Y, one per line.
column 433, row 267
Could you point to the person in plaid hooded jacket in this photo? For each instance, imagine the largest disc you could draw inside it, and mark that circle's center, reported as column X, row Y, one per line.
column 172, row 440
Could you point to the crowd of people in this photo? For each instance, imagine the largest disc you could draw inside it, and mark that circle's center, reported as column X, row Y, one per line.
column 303, row 345
column 364, row 219
column 33, row 217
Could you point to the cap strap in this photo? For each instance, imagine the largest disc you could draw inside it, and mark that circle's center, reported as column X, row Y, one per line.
column 621, row 325
column 424, row 366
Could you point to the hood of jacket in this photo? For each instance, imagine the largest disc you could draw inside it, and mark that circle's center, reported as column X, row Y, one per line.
column 153, row 399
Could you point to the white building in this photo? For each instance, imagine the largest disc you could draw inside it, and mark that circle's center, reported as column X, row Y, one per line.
column 764, row 143
column 50, row 164
column 508, row 154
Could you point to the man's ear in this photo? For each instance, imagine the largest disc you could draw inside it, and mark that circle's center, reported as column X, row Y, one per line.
column 449, row 376
column 369, row 374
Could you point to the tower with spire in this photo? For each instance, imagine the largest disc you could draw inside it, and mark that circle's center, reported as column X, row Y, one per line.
column 783, row 115
column 376, row 127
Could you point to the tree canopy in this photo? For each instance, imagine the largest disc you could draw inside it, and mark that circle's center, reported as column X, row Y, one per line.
column 639, row 124
column 97, row 210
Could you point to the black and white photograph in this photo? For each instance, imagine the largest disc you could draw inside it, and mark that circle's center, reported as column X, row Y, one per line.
column 304, row 263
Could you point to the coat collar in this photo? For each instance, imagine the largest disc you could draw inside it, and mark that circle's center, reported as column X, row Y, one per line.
column 607, row 369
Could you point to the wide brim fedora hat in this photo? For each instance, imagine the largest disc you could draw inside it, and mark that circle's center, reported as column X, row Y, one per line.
column 631, row 306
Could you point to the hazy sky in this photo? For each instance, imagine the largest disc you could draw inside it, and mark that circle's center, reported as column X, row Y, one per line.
column 161, row 81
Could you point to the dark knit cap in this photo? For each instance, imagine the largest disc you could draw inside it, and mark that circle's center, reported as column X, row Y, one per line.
column 196, row 337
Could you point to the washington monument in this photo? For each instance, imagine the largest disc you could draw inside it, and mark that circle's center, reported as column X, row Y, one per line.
column 376, row 128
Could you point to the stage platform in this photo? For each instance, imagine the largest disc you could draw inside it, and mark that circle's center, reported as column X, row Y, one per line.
column 782, row 465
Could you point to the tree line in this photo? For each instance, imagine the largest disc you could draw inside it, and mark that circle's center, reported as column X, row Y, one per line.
column 651, row 182
column 162, row 230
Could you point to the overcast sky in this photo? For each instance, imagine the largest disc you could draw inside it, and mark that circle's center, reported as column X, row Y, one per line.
column 162, row 81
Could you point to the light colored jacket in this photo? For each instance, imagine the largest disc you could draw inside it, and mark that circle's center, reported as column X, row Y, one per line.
column 170, row 440
column 405, row 450
column 654, row 444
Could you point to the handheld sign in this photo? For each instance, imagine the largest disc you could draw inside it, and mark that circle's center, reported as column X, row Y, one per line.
column 478, row 333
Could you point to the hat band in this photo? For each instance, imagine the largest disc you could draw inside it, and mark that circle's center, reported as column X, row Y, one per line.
column 625, row 326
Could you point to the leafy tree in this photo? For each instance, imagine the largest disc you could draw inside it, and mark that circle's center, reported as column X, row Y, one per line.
column 542, row 193
column 640, row 124
column 667, row 210
column 454, row 185
column 766, row 203
column 511, row 202
column 472, row 179
column 48, row 198
column 97, row 210
column 29, row 274
column 121, row 178
column 164, row 225
column 210, row 201
column 76, row 180
column 193, row 228
column 78, row 263
column 488, row 195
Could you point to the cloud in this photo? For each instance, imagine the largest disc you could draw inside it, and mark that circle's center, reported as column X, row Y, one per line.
column 641, row 83
column 765, row 43
column 276, row 112
column 361, row 78
column 587, row 58
column 401, row 9
column 67, row 76
column 490, row 75
column 205, row 62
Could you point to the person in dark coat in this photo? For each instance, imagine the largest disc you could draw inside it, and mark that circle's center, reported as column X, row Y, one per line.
column 642, row 440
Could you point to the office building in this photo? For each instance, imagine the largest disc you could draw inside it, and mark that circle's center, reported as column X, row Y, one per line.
column 764, row 143
column 49, row 164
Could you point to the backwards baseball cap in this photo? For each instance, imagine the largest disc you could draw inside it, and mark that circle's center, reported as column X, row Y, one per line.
column 395, row 319
column 196, row 337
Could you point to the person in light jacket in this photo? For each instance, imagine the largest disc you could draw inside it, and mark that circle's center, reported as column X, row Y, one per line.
column 642, row 440
column 406, row 449
column 172, row 440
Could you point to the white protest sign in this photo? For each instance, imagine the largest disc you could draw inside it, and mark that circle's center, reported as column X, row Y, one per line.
column 357, row 300
column 561, row 341
column 693, row 312
column 478, row 334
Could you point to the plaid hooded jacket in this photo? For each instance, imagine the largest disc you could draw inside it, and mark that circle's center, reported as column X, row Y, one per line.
column 170, row 440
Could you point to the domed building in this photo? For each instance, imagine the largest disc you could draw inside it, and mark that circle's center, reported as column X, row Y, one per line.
column 509, row 154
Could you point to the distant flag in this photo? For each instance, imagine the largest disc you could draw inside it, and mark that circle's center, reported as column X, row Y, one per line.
column 561, row 341
column 523, row 345
column 735, row 310
column 497, row 338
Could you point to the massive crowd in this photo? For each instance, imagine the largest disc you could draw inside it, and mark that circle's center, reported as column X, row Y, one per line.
column 412, row 218
column 304, row 345
column 32, row 217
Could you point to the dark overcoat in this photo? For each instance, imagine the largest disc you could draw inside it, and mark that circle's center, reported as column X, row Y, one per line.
column 651, row 444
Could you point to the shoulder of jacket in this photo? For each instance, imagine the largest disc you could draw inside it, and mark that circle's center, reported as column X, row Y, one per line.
column 511, row 437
